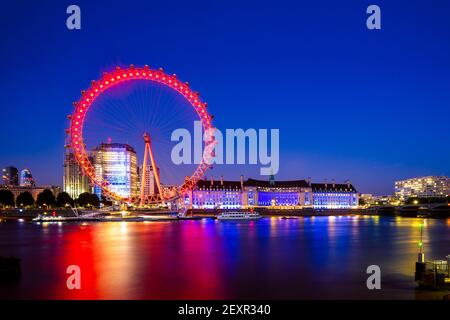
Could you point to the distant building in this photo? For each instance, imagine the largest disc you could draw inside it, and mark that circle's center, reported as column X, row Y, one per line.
column 26, row 178
column 10, row 176
column 384, row 200
column 222, row 194
column 215, row 194
column 334, row 195
column 277, row 193
column 116, row 164
column 75, row 182
column 150, row 185
column 34, row 191
column 430, row 186
column 368, row 198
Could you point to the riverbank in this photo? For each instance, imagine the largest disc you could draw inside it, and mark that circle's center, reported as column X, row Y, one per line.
column 310, row 212
column 29, row 214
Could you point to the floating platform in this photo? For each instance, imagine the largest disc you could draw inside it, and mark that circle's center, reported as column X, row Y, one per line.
column 433, row 274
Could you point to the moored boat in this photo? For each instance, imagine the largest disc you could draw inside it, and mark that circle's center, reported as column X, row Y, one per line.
column 238, row 215
column 41, row 218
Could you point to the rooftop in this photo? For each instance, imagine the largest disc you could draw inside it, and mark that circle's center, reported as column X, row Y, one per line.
column 224, row 184
column 105, row 146
column 333, row 187
column 276, row 184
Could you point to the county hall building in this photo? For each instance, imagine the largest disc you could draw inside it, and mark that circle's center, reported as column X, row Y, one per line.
column 295, row 194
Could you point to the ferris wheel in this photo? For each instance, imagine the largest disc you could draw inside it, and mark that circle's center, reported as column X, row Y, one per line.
column 121, row 80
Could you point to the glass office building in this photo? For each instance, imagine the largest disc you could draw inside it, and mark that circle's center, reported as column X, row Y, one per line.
column 116, row 164
column 75, row 182
column 10, row 176
column 26, row 178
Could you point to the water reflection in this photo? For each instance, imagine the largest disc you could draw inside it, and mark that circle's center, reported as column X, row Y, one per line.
column 295, row 258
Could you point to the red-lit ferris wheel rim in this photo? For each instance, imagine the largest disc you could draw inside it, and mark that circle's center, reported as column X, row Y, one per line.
column 111, row 79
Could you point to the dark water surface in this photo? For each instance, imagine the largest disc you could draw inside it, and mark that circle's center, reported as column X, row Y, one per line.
column 273, row 258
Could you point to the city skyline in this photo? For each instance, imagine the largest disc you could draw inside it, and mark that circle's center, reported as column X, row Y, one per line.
column 227, row 158
column 368, row 90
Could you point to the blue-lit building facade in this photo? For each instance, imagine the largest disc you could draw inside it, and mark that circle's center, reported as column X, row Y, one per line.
column 260, row 193
column 215, row 195
column 295, row 194
column 26, row 178
column 334, row 196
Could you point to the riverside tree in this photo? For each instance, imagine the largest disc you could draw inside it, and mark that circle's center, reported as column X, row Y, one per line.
column 87, row 199
column 46, row 198
column 25, row 199
column 63, row 199
column 6, row 198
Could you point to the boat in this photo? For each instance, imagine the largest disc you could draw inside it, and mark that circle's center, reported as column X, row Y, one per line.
column 41, row 218
column 238, row 215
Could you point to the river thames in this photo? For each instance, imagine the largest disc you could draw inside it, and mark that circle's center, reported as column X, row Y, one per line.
column 272, row 258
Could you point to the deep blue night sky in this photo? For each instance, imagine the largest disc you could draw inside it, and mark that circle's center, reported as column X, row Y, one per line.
column 371, row 106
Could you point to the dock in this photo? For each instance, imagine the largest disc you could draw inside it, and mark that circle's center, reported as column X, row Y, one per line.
column 433, row 274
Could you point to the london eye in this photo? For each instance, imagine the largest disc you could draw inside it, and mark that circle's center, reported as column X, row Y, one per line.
column 143, row 106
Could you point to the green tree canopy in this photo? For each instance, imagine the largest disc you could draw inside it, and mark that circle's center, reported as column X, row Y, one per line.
column 46, row 198
column 87, row 199
column 94, row 200
column 6, row 198
column 25, row 199
column 83, row 199
column 64, row 199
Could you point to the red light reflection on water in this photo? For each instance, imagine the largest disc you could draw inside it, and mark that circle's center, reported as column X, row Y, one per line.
column 77, row 250
column 212, row 260
column 137, row 261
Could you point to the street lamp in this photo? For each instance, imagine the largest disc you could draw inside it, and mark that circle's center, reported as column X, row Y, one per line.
column 421, row 255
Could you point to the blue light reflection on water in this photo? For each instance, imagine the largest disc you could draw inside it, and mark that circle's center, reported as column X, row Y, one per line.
column 303, row 258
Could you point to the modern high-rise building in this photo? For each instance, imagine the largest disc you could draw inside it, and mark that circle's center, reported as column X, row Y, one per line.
column 150, row 185
column 430, row 186
column 116, row 164
column 10, row 176
column 26, row 178
column 75, row 182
